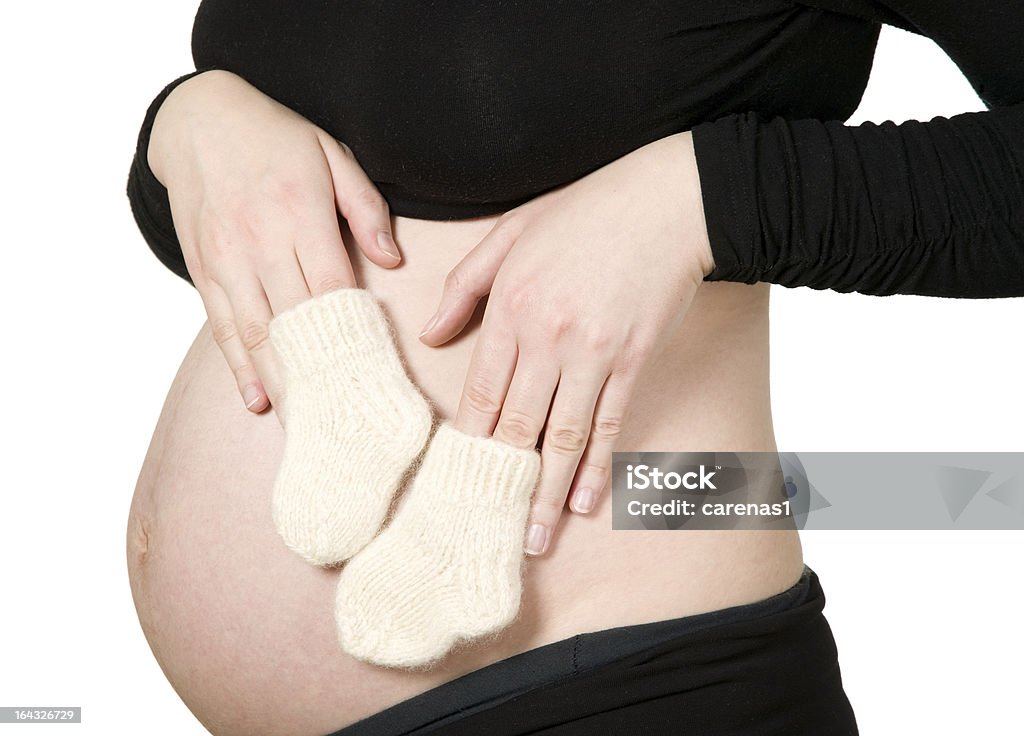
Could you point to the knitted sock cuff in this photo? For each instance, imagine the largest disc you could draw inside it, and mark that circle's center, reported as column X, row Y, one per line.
column 481, row 472
column 343, row 327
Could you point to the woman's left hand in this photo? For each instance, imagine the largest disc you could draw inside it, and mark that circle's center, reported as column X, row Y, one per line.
column 584, row 283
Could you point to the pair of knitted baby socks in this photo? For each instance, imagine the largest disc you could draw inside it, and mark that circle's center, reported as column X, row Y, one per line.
column 447, row 567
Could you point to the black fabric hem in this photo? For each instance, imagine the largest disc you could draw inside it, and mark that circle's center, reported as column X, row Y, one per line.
column 402, row 206
column 148, row 197
column 556, row 664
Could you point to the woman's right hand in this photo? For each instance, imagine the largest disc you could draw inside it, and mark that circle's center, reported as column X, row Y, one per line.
column 255, row 190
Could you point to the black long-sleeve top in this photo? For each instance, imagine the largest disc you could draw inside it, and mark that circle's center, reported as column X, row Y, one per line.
column 460, row 109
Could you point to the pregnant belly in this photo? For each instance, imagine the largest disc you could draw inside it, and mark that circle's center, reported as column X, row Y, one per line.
column 243, row 628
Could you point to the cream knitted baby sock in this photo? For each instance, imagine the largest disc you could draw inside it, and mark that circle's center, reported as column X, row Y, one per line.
column 353, row 420
column 448, row 565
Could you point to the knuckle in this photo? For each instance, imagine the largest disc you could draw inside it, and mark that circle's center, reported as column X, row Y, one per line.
column 254, row 334
column 565, row 440
column 560, row 324
column 519, row 299
column 633, row 355
column 607, row 427
column 480, row 397
column 509, row 222
column 213, row 239
column 217, row 271
column 594, row 469
column 517, row 429
column 329, row 283
column 344, row 148
column 243, row 221
column 223, row 331
column 455, row 282
column 548, row 504
column 222, row 267
column 368, row 198
column 596, row 339
column 211, row 247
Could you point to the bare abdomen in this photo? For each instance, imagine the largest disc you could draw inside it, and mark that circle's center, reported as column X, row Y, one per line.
column 243, row 628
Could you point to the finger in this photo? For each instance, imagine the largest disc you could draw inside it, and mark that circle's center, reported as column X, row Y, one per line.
column 225, row 334
column 565, row 438
column 320, row 252
column 361, row 204
column 325, row 264
column 283, row 282
column 467, row 283
column 527, row 401
column 285, row 287
column 252, row 314
column 487, row 379
column 595, row 469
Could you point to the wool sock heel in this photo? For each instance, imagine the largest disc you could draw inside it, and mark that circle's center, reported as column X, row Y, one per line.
column 449, row 565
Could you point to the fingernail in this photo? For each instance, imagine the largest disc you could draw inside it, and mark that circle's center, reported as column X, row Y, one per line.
column 430, row 325
column 251, row 396
column 387, row 244
column 536, row 539
column 583, row 500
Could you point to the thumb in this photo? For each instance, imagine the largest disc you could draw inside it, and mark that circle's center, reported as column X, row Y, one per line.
column 468, row 282
column 361, row 204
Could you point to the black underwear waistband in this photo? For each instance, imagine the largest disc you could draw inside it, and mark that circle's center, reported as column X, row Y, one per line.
column 559, row 683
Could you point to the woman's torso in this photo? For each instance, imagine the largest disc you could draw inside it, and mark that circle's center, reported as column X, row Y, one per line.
column 243, row 627
column 465, row 123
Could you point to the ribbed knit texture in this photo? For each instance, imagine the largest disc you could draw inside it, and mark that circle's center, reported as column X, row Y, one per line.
column 449, row 566
column 354, row 423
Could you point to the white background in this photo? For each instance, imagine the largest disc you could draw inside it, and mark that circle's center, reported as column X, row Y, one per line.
column 928, row 624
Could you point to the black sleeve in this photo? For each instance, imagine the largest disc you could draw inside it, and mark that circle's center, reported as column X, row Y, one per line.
column 933, row 208
column 148, row 197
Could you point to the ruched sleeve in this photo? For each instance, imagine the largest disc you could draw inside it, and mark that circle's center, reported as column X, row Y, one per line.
column 931, row 208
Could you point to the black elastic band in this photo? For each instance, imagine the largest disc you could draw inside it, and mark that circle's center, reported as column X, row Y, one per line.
column 508, row 678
